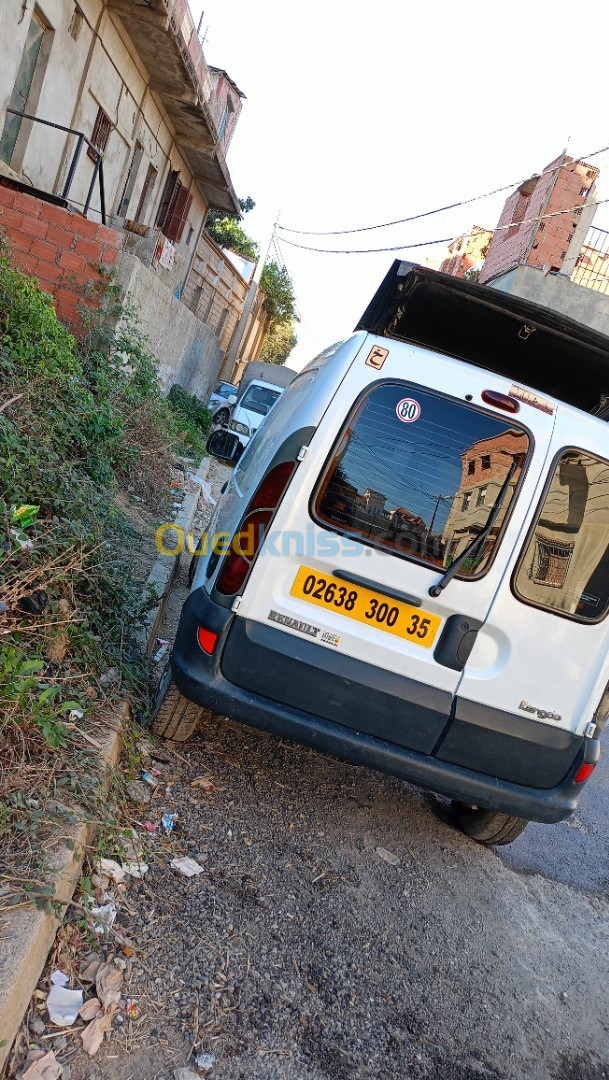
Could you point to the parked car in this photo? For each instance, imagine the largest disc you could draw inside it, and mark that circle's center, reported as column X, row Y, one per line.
column 413, row 571
column 219, row 403
column 260, row 388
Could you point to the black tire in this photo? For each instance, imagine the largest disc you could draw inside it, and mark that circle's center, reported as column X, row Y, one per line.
column 487, row 826
column 175, row 717
column 222, row 417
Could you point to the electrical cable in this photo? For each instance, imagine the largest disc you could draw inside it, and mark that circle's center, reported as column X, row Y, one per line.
column 429, row 243
column 450, row 206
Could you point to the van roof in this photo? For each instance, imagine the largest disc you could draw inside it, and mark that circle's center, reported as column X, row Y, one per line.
column 494, row 330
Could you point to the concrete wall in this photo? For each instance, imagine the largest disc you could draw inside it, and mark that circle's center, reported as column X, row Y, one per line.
column 189, row 353
column 558, row 292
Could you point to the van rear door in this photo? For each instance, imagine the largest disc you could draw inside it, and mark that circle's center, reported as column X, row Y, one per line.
column 402, row 476
column 543, row 652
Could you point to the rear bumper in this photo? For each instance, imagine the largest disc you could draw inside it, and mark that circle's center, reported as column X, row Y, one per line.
column 201, row 679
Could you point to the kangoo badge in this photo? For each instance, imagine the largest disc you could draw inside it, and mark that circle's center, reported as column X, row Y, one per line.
column 408, row 410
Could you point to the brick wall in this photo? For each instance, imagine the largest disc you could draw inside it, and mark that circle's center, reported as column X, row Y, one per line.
column 541, row 243
column 66, row 252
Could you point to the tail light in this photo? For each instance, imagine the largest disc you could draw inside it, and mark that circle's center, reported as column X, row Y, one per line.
column 246, row 543
column 207, row 640
column 584, row 772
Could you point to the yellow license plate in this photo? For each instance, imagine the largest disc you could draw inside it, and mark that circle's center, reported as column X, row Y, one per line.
column 369, row 607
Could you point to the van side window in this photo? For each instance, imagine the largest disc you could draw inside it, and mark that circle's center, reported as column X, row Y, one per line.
column 400, row 476
column 565, row 564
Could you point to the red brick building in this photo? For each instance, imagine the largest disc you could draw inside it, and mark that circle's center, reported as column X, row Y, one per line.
column 527, row 236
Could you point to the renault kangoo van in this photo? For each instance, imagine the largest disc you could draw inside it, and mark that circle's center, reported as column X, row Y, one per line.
column 413, row 564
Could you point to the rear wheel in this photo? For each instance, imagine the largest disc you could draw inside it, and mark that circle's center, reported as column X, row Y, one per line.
column 174, row 717
column 487, row 826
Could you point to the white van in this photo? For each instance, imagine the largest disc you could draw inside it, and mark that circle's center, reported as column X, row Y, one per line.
column 250, row 410
column 414, row 567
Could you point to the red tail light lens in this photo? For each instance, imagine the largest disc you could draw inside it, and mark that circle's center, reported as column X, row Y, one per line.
column 245, row 544
column 583, row 773
column 500, row 401
column 207, row 640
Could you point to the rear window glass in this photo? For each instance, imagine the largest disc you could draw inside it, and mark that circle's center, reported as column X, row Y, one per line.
column 565, row 564
column 419, row 474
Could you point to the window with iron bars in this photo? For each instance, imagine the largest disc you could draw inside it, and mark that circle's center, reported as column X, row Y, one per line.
column 553, row 558
column 100, row 134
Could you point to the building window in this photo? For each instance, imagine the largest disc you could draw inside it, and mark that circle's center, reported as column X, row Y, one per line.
column 175, row 205
column 542, row 226
column 467, row 498
column 584, row 192
column 486, row 461
column 147, row 189
column 76, row 23
column 24, row 97
column 481, row 500
column 471, row 468
column 553, row 558
column 100, row 134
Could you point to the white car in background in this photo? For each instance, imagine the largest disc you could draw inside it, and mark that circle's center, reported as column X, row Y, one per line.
column 219, row 401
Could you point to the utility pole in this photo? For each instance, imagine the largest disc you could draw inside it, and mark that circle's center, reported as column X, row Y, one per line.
column 237, row 338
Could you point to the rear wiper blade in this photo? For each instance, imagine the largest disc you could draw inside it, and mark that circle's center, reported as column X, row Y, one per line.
column 436, row 589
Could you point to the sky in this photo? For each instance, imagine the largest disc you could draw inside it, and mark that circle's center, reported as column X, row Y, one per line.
column 358, row 114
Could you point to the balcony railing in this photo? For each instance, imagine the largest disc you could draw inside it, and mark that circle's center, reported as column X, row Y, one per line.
column 81, row 140
column 592, row 266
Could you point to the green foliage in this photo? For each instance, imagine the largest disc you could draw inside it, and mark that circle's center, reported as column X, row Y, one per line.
column 278, row 343
column 228, row 233
column 280, row 300
column 61, row 443
column 192, row 419
column 21, row 688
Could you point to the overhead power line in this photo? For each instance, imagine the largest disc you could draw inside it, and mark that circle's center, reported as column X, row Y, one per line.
column 429, row 243
column 441, row 209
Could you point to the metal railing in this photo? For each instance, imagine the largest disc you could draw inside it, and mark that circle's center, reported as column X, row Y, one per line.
column 592, row 266
column 98, row 171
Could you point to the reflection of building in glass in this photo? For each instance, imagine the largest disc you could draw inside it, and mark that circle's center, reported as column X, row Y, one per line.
column 566, row 563
column 484, row 467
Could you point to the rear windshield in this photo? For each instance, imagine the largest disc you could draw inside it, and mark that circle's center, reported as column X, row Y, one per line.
column 259, row 399
column 565, row 565
column 419, row 474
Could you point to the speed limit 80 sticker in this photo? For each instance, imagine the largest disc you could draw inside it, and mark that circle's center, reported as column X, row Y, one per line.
column 408, row 410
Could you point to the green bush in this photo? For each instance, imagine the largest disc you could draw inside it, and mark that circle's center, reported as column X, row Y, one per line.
column 192, row 418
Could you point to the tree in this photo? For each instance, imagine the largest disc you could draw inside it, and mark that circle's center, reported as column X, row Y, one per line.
column 279, row 341
column 280, row 300
column 228, row 233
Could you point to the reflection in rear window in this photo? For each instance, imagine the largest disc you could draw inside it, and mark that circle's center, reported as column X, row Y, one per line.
column 419, row 474
column 565, row 565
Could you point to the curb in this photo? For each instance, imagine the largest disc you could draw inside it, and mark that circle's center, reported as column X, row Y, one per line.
column 165, row 567
column 28, row 934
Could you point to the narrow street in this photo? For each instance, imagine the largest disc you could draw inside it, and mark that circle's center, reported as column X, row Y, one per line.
column 299, row 953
